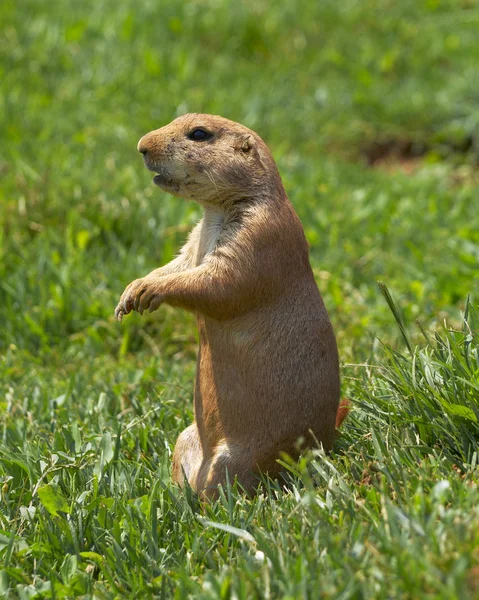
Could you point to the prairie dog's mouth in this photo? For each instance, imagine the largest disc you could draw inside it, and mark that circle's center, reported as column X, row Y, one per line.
column 163, row 177
column 160, row 179
column 150, row 165
column 164, row 180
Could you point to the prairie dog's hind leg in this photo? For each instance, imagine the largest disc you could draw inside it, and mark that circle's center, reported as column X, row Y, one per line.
column 232, row 459
column 187, row 457
column 229, row 461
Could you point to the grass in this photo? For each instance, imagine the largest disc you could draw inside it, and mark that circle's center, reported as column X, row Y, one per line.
column 90, row 410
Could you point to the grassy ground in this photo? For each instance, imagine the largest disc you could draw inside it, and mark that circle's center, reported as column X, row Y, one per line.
column 90, row 409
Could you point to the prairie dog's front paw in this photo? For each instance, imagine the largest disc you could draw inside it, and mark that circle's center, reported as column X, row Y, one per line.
column 125, row 305
column 141, row 294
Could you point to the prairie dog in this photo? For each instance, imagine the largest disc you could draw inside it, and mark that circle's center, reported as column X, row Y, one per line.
column 267, row 370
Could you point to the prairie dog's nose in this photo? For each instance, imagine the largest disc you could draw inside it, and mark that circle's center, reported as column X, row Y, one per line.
column 143, row 145
column 151, row 144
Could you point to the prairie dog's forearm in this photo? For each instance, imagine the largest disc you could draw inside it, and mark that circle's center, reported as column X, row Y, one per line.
column 177, row 265
column 203, row 289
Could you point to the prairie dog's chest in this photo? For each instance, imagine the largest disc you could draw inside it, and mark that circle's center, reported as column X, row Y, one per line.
column 210, row 231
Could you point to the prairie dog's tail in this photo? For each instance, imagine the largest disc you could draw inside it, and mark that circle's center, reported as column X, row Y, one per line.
column 343, row 411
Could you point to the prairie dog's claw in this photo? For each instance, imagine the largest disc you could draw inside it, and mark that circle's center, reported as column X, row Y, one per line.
column 138, row 295
column 119, row 313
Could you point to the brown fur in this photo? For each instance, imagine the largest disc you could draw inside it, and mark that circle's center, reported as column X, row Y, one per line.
column 267, row 372
column 343, row 411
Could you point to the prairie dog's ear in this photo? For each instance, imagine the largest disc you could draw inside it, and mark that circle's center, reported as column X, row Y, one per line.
column 245, row 142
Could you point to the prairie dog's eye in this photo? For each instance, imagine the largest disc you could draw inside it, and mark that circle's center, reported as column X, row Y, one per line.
column 199, row 135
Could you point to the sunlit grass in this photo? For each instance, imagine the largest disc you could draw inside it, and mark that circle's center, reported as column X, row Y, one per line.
column 90, row 409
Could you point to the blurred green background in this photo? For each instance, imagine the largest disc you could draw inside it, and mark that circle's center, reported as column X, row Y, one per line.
column 371, row 109
column 331, row 87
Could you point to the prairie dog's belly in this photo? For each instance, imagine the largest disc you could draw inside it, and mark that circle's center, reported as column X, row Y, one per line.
column 268, row 375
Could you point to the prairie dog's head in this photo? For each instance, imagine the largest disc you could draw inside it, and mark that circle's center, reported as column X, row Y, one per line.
column 208, row 159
